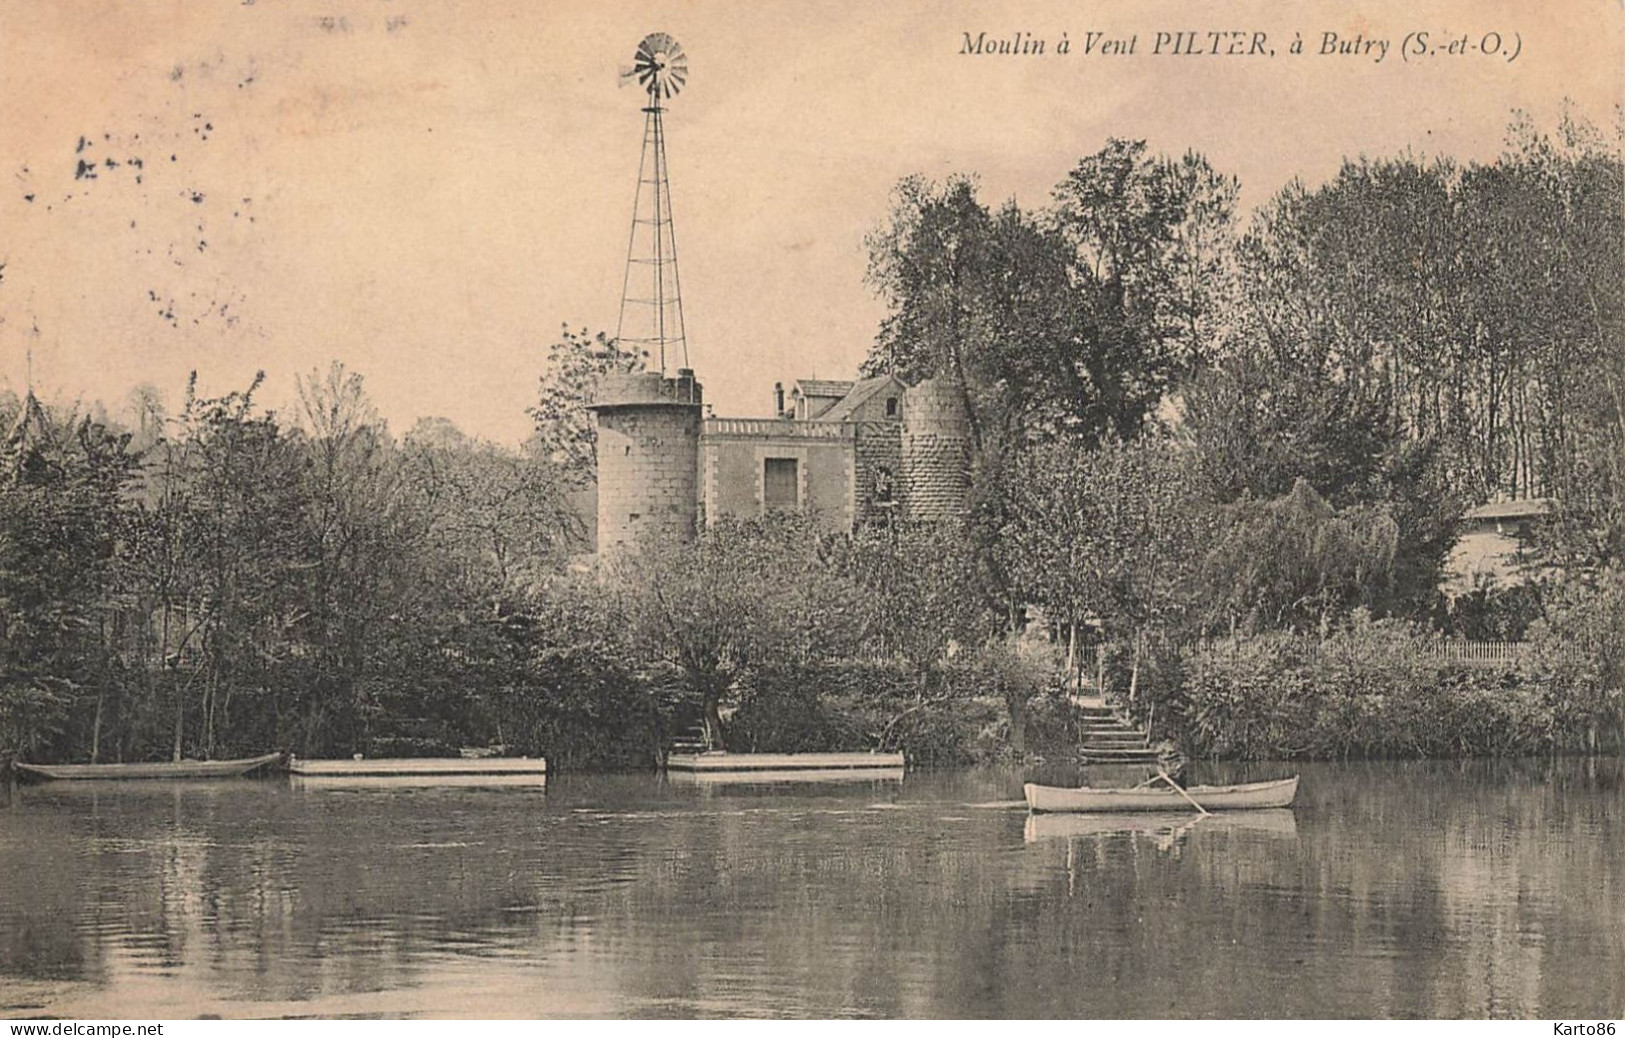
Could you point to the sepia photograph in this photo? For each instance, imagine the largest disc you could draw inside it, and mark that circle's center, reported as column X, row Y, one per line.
column 675, row 510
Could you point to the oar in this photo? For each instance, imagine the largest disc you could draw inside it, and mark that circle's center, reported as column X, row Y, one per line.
column 1180, row 790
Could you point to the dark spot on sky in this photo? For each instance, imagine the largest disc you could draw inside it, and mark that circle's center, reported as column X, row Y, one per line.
column 28, row 198
column 172, row 158
column 80, row 146
column 110, row 164
column 84, row 171
column 176, row 73
column 197, row 197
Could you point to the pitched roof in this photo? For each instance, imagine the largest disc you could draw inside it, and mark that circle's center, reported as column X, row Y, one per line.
column 861, row 394
column 1523, row 509
column 822, row 387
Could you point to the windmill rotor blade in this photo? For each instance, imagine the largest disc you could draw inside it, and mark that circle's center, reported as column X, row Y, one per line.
column 660, row 65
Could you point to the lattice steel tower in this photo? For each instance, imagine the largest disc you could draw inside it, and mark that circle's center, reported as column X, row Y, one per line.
column 651, row 296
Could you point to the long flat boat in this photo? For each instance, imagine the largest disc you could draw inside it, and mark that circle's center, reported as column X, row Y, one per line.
column 185, row 769
column 1243, row 797
column 418, row 767
column 769, row 776
column 803, row 763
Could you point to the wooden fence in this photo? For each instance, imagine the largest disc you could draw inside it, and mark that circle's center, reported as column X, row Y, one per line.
column 1474, row 652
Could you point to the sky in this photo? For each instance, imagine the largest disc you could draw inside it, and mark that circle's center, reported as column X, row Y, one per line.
column 427, row 191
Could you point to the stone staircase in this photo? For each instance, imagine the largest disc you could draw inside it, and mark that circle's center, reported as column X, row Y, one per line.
column 1106, row 737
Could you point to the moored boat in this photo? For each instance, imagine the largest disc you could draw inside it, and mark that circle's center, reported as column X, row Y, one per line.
column 418, row 767
column 802, row 763
column 769, row 776
column 1246, row 796
column 185, row 769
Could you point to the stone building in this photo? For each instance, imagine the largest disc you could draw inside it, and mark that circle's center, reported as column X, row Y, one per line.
column 1492, row 544
column 845, row 453
column 648, row 457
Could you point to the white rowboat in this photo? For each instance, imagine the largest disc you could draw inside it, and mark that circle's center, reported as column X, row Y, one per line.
column 1247, row 796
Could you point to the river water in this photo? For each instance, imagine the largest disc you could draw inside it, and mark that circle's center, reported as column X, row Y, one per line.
column 1485, row 889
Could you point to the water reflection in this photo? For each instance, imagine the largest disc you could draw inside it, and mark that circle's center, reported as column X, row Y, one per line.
column 1390, row 890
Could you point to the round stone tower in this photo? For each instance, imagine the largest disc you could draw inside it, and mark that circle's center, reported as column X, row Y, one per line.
column 936, row 451
column 648, row 459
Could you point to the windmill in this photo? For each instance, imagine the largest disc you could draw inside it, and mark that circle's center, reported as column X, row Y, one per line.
column 651, row 296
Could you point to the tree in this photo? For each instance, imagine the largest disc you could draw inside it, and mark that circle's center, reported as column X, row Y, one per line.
column 565, row 431
column 361, row 536
column 1297, row 562
column 746, row 596
column 1106, row 537
column 504, row 515
column 983, row 299
column 63, row 522
column 217, row 545
column 1151, row 241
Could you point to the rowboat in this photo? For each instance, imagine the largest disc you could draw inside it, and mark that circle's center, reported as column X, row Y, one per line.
column 185, row 769
column 1247, row 796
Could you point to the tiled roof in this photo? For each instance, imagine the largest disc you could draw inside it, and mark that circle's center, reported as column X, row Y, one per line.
column 822, row 387
column 860, row 395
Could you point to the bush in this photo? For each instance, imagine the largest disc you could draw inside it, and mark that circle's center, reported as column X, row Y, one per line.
column 1370, row 690
column 1578, row 650
column 786, row 710
column 30, row 715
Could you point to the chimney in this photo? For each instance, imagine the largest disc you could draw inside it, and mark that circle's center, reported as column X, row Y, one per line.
column 778, row 400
